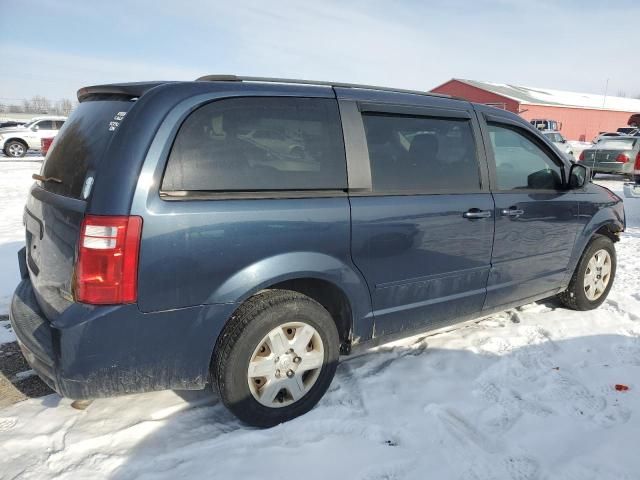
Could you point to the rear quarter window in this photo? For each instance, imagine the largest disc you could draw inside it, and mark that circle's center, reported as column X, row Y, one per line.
column 259, row 144
column 81, row 143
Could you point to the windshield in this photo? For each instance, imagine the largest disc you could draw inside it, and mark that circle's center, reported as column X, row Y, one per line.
column 554, row 137
column 617, row 143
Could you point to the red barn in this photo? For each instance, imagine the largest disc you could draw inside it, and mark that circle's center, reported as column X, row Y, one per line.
column 582, row 115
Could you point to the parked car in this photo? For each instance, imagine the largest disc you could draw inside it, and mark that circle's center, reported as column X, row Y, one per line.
column 17, row 141
column 11, row 123
column 559, row 141
column 617, row 155
column 166, row 251
column 546, row 124
column 45, row 144
column 603, row 135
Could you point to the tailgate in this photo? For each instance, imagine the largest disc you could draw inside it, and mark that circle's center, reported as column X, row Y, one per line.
column 55, row 207
column 52, row 225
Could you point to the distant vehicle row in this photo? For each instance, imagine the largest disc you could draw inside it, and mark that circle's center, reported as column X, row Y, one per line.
column 618, row 155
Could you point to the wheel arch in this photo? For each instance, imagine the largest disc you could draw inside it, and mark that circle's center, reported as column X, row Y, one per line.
column 610, row 230
column 334, row 284
column 603, row 224
column 17, row 139
column 331, row 297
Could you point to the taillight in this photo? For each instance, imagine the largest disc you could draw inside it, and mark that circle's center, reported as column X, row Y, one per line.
column 581, row 157
column 45, row 144
column 107, row 266
column 622, row 158
column 636, row 165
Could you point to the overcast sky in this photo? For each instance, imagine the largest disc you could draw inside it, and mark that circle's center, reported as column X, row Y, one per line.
column 54, row 47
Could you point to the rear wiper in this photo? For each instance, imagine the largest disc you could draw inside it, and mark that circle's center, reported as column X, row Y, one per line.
column 41, row 178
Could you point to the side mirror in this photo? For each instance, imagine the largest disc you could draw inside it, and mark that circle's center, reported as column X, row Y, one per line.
column 579, row 175
column 35, row 128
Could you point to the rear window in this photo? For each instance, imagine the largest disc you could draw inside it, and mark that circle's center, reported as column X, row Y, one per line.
column 259, row 144
column 81, row 143
column 616, row 144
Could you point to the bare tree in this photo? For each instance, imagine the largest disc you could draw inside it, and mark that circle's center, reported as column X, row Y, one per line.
column 64, row 107
column 40, row 105
column 37, row 104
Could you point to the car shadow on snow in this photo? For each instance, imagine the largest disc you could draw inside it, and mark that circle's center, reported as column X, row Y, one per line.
column 29, row 157
column 408, row 408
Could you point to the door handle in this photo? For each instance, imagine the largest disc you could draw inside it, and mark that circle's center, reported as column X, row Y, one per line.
column 477, row 213
column 512, row 212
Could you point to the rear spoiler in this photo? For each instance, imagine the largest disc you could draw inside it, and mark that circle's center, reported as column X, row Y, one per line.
column 131, row 90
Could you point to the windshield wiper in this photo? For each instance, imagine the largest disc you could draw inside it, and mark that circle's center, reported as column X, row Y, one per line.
column 42, row 178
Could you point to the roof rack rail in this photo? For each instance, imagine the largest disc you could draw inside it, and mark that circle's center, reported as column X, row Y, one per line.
column 234, row 78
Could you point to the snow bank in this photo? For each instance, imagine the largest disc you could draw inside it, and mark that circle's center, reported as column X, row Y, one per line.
column 15, row 181
column 527, row 394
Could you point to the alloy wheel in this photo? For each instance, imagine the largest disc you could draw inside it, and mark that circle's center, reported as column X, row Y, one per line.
column 16, row 150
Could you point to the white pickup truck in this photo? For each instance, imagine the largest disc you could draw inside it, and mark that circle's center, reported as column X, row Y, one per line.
column 16, row 141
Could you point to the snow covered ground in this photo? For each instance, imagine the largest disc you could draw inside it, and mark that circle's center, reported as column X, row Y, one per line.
column 15, row 180
column 527, row 394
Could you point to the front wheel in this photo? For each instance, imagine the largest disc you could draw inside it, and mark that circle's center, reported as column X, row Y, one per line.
column 15, row 149
column 593, row 278
column 275, row 358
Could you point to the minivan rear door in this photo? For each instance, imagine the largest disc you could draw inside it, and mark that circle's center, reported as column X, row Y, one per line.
column 56, row 205
column 422, row 214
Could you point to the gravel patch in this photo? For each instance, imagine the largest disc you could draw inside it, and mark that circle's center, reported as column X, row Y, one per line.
column 17, row 382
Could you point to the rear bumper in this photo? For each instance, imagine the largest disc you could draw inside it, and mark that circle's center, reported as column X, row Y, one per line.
column 613, row 167
column 92, row 352
column 34, row 333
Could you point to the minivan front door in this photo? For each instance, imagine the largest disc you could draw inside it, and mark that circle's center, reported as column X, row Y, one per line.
column 422, row 234
column 536, row 218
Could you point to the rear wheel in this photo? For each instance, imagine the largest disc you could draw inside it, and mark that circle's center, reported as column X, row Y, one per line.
column 275, row 358
column 15, row 149
column 593, row 278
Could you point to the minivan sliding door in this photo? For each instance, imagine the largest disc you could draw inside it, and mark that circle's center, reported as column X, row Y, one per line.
column 422, row 233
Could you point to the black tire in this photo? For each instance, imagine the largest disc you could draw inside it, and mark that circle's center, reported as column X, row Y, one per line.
column 574, row 296
column 242, row 335
column 15, row 143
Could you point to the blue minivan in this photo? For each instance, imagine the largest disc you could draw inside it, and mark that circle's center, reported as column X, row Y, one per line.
column 246, row 232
